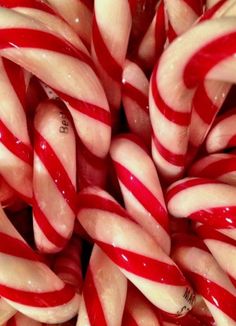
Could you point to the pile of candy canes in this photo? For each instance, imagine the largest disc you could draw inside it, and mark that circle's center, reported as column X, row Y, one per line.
column 118, row 162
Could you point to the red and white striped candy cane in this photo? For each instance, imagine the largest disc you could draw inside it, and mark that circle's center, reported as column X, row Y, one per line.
column 187, row 320
column 172, row 90
column 141, row 188
column 208, row 278
column 28, row 285
column 41, row 52
column 6, row 311
column 78, row 14
column 104, row 293
column 152, row 44
column 42, row 12
column 181, row 16
column 15, row 147
column 135, row 87
column 209, row 95
column 215, row 204
column 21, row 320
column 201, row 312
column 111, row 30
column 138, row 311
column 67, row 264
column 222, row 135
column 222, row 248
column 54, row 179
column 220, row 166
column 143, row 262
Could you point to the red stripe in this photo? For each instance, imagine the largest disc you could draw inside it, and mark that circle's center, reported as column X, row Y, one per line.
column 15, row 247
column 11, row 322
column 184, row 240
column 217, row 169
column 92, row 301
column 62, row 269
column 231, row 142
column 38, row 299
column 203, row 105
column 56, row 170
column 196, row 6
column 106, row 60
column 160, row 30
column 30, row 38
column 207, row 232
column 135, row 139
column 172, row 158
column 128, row 319
column 91, row 110
column 91, row 201
column 183, row 185
column 15, row 145
column 199, row 64
column 27, row 4
column 211, row 12
column 144, row 266
column 17, row 79
column 179, row 118
column 88, row 4
column 48, row 230
column 135, row 95
column 171, row 34
column 215, row 294
column 143, row 195
column 216, row 217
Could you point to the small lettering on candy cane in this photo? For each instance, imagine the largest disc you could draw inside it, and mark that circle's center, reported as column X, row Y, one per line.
column 64, row 128
column 189, row 296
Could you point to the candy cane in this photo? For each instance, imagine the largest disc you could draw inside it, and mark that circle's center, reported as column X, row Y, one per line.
column 21, row 320
column 222, row 248
column 54, row 179
column 152, row 44
column 208, row 278
column 28, row 285
column 187, row 320
column 41, row 51
column 215, row 204
column 78, row 14
column 211, row 3
column 142, row 261
column 181, row 15
column 104, row 293
column 135, row 100
column 7, row 194
column 6, row 311
column 141, row 188
column 42, row 12
column 221, row 167
column 201, row 311
column 67, row 264
column 109, row 46
column 138, row 311
column 15, row 147
column 222, row 134
column 172, row 90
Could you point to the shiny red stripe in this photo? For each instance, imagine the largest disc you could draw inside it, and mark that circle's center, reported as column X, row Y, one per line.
column 16, row 247
column 186, row 185
column 15, row 145
column 172, row 158
column 215, row 294
column 143, row 195
column 56, row 170
column 203, row 105
column 218, row 168
column 128, row 319
column 135, row 95
column 92, row 301
column 91, row 110
column 144, row 266
column 48, row 230
column 37, row 299
column 27, row 4
column 17, row 79
column 30, row 38
column 91, row 201
column 179, row 118
column 207, row 232
column 160, row 30
column 216, row 217
column 199, row 64
column 106, row 60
